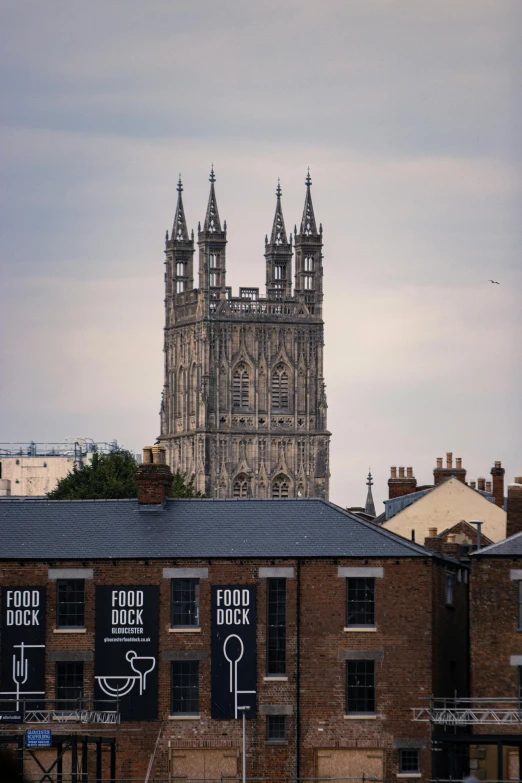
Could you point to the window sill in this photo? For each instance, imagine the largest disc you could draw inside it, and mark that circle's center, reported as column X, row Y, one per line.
column 360, row 629
column 184, row 717
column 69, row 630
column 361, row 716
column 275, row 678
column 196, row 629
column 276, row 742
column 409, row 775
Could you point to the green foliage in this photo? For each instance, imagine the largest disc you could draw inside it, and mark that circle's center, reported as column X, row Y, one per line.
column 113, row 476
column 108, row 476
column 181, row 488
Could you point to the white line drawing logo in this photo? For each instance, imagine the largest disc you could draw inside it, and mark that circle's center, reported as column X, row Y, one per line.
column 128, row 681
column 21, row 673
column 233, row 660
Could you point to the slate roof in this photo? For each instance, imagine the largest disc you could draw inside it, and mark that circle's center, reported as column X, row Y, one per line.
column 509, row 546
column 195, row 528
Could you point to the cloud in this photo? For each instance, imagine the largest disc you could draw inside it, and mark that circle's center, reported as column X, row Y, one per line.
column 406, row 114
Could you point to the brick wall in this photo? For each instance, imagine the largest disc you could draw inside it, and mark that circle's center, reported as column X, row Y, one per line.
column 416, row 636
column 494, row 636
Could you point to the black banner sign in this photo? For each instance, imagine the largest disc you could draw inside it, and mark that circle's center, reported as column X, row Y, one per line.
column 126, row 649
column 233, row 662
column 22, row 656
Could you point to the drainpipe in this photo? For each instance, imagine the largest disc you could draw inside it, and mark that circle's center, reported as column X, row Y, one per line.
column 479, row 524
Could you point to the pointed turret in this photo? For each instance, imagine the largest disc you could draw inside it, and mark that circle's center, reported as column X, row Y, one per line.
column 278, row 254
column 308, row 257
column 370, row 505
column 179, row 252
column 278, row 235
column 212, row 240
column 308, row 224
column 179, row 228
column 212, row 223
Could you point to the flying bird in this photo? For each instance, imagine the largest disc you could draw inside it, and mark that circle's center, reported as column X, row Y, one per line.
column 494, row 281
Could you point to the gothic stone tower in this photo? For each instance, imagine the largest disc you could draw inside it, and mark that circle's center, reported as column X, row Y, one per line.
column 244, row 403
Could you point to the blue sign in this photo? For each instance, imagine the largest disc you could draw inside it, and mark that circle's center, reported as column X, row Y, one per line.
column 38, row 738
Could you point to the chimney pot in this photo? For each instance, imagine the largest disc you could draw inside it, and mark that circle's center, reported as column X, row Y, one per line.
column 147, row 455
column 473, row 484
column 432, row 531
column 458, row 463
column 409, row 472
column 449, row 459
column 158, row 455
column 393, row 472
column 498, row 463
column 518, row 479
column 488, row 486
column 401, row 472
column 481, row 483
column 439, row 462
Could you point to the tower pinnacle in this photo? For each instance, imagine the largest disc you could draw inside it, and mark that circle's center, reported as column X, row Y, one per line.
column 212, row 222
column 179, row 229
column 278, row 236
column 370, row 506
column 308, row 224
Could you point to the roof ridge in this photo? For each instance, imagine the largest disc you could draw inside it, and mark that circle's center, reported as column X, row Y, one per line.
column 497, row 544
column 383, row 531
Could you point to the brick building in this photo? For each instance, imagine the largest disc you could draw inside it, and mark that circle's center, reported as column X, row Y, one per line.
column 353, row 627
column 412, row 510
column 480, row 735
column 496, row 647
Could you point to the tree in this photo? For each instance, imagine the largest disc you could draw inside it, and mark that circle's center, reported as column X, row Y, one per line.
column 113, row 476
column 107, row 476
column 181, row 488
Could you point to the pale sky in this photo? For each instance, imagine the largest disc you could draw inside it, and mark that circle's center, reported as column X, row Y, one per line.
column 408, row 113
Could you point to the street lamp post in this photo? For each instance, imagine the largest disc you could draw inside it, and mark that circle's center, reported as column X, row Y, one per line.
column 243, row 710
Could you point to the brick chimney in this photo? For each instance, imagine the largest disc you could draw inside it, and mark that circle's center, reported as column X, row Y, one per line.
column 514, row 508
column 404, row 484
column 440, row 473
column 497, row 472
column 433, row 542
column 154, row 477
column 481, row 484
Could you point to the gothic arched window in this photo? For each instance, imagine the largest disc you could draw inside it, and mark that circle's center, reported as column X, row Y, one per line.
column 280, row 387
column 240, row 486
column 280, row 486
column 193, row 389
column 223, row 389
column 240, row 387
column 180, row 388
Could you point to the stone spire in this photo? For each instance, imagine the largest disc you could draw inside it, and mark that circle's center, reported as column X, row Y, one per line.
column 179, row 229
column 308, row 224
column 370, row 506
column 278, row 236
column 278, row 254
column 212, row 223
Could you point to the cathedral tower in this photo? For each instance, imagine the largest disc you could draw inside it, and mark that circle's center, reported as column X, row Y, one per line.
column 244, row 402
